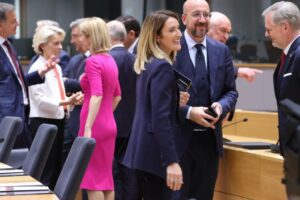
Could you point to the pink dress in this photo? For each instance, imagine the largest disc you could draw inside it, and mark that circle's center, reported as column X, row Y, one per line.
column 100, row 79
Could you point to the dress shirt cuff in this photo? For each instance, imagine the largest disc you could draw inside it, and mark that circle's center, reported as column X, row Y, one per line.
column 188, row 114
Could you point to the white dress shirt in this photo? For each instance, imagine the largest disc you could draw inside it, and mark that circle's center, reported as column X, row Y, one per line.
column 45, row 97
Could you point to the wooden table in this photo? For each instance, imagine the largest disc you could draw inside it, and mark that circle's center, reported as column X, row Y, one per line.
column 249, row 174
column 20, row 179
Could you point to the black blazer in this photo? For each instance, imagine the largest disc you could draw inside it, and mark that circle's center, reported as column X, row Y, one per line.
column 287, row 86
column 127, row 78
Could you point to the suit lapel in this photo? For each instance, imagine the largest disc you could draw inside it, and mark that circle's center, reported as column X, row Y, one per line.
column 188, row 69
column 8, row 63
column 286, row 67
column 212, row 57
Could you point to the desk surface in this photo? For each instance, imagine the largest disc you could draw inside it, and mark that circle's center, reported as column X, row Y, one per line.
column 249, row 174
column 20, row 179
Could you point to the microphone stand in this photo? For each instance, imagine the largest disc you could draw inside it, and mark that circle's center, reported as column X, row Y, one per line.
column 232, row 124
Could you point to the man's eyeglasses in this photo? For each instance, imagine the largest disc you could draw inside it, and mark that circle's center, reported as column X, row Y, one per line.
column 198, row 15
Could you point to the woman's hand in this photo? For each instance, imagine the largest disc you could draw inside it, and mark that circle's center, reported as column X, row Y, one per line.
column 184, row 98
column 76, row 98
column 174, row 176
column 50, row 64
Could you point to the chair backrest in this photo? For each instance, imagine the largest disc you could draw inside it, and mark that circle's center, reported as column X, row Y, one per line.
column 37, row 156
column 74, row 168
column 10, row 127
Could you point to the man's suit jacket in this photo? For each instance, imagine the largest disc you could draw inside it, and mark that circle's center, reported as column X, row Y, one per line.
column 11, row 95
column 222, row 85
column 124, row 112
column 287, row 86
column 152, row 143
column 73, row 71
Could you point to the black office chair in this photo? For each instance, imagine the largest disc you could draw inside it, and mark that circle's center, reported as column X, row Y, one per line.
column 291, row 148
column 10, row 127
column 37, row 156
column 73, row 170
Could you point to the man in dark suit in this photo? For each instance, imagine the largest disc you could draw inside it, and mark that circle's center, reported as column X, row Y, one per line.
column 219, row 29
column 208, row 64
column 124, row 113
column 133, row 28
column 282, row 23
column 14, row 84
column 71, row 74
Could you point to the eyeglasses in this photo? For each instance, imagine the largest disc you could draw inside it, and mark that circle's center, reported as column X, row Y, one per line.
column 197, row 15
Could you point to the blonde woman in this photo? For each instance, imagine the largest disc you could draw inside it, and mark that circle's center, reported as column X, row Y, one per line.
column 48, row 101
column 101, row 96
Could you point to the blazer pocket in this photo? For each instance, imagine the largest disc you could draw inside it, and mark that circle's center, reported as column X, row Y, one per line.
column 288, row 74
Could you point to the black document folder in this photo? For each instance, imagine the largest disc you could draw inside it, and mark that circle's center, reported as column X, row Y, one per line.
column 249, row 145
column 183, row 82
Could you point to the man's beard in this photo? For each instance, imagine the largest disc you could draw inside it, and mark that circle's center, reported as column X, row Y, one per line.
column 199, row 33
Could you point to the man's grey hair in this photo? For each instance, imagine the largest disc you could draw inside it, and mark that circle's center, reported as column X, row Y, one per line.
column 4, row 8
column 284, row 11
column 76, row 22
column 117, row 30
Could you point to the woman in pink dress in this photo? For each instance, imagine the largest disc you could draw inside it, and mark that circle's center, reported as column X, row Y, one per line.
column 101, row 90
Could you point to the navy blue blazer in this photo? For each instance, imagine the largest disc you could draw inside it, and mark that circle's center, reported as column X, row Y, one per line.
column 73, row 71
column 222, row 85
column 11, row 95
column 287, row 86
column 124, row 112
column 152, row 143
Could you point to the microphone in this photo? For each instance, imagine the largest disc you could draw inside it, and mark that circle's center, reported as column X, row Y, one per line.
column 234, row 123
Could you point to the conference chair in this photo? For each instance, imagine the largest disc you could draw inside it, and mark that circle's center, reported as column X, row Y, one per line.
column 74, row 168
column 39, row 151
column 10, row 127
column 292, row 149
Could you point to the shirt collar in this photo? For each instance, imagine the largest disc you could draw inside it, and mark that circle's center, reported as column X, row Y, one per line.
column 2, row 40
column 191, row 43
column 117, row 45
column 286, row 50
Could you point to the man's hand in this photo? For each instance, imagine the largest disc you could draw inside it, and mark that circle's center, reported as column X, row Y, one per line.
column 76, row 98
column 184, row 98
column 248, row 73
column 50, row 64
column 198, row 116
column 174, row 176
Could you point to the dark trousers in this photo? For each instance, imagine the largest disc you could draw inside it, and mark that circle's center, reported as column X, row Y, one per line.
column 125, row 179
column 200, row 168
column 54, row 162
column 152, row 187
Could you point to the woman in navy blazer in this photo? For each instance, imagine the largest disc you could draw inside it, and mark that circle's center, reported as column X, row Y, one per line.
column 152, row 149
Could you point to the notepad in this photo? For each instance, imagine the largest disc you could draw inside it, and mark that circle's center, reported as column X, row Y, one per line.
column 250, row 145
column 183, row 82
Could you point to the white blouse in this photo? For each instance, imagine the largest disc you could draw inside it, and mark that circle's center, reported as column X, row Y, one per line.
column 44, row 98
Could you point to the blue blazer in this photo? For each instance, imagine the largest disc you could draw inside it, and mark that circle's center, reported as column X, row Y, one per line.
column 127, row 77
column 222, row 85
column 73, row 71
column 152, row 143
column 287, row 86
column 11, row 95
